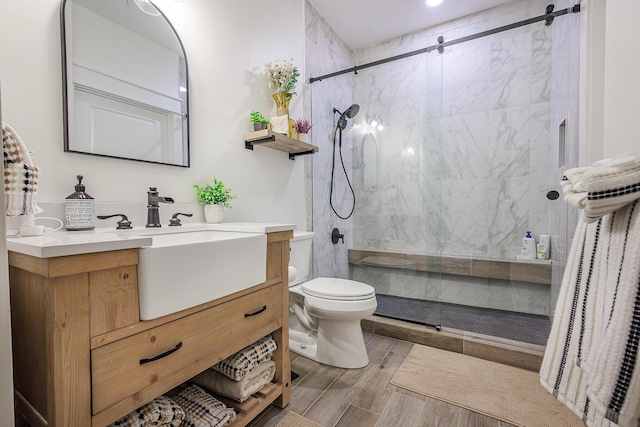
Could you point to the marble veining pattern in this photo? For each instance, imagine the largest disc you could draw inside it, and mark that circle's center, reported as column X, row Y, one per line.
column 467, row 154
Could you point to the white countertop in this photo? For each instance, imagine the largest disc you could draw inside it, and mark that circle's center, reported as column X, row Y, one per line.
column 251, row 227
column 64, row 243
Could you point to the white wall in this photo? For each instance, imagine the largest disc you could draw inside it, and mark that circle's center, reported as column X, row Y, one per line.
column 227, row 44
column 621, row 84
column 6, row 367
column 226, row 41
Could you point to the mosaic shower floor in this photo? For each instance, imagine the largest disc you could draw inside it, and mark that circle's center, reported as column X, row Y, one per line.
column 529, row 328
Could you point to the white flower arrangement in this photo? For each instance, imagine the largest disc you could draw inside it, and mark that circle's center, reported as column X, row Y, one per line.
column 282, row 76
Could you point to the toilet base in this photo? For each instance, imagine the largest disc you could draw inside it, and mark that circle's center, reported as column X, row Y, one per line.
column 336, row 343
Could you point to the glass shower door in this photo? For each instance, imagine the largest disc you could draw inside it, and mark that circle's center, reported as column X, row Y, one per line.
column 395, row 222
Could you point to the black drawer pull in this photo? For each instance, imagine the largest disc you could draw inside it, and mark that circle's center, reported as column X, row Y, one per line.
column 256, row 312
column 160, row 356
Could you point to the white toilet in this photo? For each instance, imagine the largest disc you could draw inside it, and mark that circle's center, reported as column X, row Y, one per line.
column 325, row 313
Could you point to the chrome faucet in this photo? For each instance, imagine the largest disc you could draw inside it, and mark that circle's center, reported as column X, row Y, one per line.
column 153, row 211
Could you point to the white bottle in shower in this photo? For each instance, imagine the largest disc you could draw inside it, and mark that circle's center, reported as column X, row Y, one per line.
column 528, row 249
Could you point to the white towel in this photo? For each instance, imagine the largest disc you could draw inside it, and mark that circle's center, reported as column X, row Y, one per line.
column 591, row 361
column 613, row 369
column 604, row 187
column 220, row 384
column 280, row 124
column 20, row 175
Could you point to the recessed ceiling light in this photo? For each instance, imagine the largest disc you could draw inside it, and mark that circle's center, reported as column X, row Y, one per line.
column 433, row 2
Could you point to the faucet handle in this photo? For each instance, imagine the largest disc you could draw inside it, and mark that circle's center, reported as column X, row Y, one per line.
column 123, row 224
column 175, row 221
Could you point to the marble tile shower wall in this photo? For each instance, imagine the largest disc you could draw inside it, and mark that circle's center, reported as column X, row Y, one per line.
column 325, row 50
column 463, row 159
column 463, row 164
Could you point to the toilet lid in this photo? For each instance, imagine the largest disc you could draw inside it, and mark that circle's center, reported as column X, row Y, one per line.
column 338, row 289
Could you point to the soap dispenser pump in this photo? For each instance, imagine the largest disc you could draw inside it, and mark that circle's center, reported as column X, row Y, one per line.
column 79, row 209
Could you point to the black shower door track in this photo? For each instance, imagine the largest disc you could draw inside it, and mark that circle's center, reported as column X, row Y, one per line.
column 547, row 17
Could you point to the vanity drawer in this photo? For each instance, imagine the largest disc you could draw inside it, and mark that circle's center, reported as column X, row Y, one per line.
column 165, row 356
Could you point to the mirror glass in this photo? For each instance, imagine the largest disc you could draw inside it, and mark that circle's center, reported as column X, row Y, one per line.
column 125, row 82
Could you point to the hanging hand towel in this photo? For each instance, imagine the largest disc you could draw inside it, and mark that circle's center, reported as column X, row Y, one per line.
column 239, row 390
column 20, row 176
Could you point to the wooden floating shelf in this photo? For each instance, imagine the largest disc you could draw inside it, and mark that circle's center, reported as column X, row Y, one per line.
column 278, row 141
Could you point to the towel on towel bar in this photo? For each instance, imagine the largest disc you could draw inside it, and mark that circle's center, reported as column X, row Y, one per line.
column 239, row 364
column 591, row 361
column 253, row 381
column 203, row 410
column 161, row 411
column 605, row 186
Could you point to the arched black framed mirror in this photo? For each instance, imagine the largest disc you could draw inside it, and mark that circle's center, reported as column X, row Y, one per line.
column 125, row 82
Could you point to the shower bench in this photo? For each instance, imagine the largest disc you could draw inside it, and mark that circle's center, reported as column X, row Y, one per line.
column 504, row 269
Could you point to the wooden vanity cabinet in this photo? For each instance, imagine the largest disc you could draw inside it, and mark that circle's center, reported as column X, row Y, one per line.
column 79, row 344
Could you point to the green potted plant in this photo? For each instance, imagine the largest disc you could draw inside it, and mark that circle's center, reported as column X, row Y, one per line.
column 215, row 198
column 259, row 122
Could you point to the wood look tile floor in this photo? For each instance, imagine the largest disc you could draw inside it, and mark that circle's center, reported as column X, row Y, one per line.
column 365, row 397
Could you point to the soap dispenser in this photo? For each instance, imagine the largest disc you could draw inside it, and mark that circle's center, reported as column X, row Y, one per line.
column 79, row 209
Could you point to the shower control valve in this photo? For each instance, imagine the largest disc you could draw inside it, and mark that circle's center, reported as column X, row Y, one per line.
column 335, row 236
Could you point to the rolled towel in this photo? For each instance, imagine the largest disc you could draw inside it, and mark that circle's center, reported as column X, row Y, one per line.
column 161, row 411
column 203, row 410
column 253, row 381
column 280, row 124
column 239, row 364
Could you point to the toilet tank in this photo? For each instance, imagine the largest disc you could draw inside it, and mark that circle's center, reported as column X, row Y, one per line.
column 299, row 258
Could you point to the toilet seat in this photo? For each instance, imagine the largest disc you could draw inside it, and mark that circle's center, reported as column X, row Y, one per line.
column 338, row 289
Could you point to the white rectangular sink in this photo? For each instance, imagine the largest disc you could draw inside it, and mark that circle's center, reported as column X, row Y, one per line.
column 181, row 270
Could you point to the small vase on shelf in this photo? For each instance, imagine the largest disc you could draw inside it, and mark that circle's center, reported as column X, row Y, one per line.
column 282, row 100
column 304, row 137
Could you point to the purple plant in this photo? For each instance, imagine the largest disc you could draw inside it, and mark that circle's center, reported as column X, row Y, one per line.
column 303, row 126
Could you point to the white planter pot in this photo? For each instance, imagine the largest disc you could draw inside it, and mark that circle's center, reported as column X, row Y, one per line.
column 213, row 213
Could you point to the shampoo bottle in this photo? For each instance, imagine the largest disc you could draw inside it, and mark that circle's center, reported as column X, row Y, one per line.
column 79, row 209
column 528, row 249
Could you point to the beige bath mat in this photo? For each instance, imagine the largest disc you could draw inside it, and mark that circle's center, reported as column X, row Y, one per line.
column 499, row 391
column 294, row 420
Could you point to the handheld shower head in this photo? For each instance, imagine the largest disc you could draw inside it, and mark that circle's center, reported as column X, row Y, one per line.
column 349, row 113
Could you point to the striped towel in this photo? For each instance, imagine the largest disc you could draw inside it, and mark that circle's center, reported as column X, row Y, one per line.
column 591, row 362
column 203, row 410
column 20, row 175
column 605, row 186
column 239, row 364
